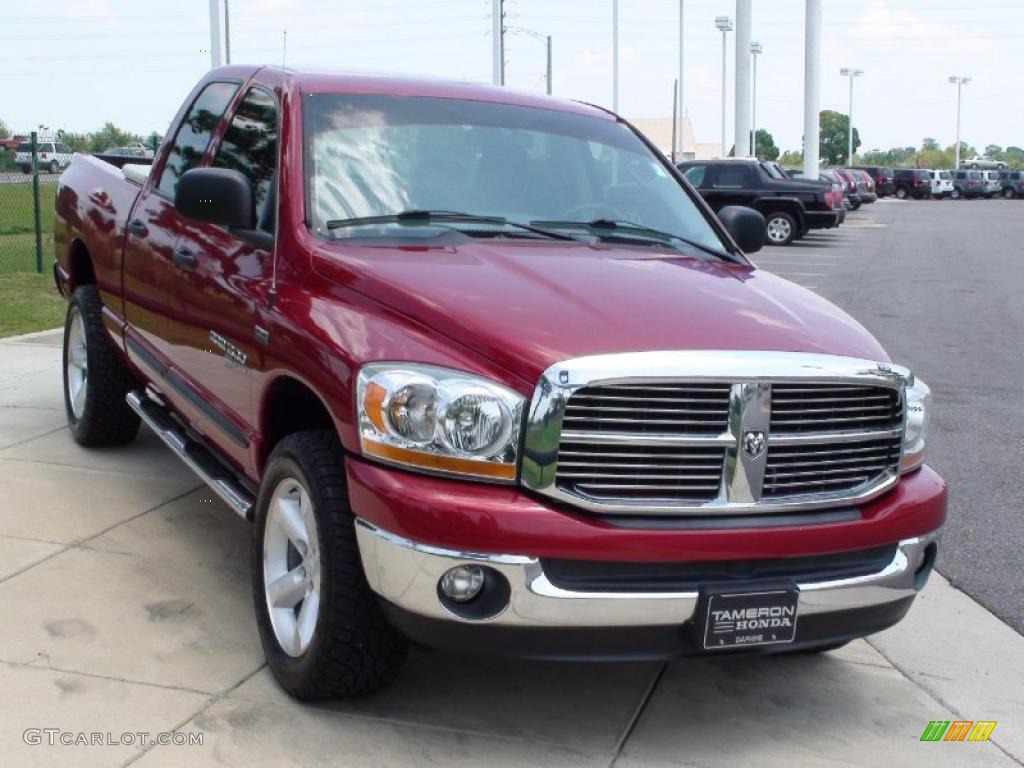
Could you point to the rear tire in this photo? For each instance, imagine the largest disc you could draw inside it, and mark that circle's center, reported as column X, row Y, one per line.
column 901, row 193
column 780, row 228
column 1009, row 194
column 326, row 636
column 54, row 166
column 96, row 378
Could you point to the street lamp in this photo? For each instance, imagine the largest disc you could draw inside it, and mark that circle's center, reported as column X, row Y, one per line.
column 544, row 40
column 755, row 51
column 724, row 25
column 850, row 73
column 960, row 82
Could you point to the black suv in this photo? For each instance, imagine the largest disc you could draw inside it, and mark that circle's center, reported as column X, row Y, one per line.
column 968, row 184
column 912, row 182
column 790, row 207
column 882, row 176
column 1012, row 183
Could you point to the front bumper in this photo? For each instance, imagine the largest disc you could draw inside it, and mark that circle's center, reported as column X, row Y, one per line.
column 541, row 619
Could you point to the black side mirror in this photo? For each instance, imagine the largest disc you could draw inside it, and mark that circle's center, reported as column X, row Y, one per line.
column 746, row 226
column 216, row 195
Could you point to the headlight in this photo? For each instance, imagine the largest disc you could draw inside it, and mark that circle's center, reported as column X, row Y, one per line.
column 918, row 404
column 439, row 420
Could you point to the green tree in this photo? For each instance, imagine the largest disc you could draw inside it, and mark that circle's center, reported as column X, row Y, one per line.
column 833, row 136
column 111, row 136
column 929, row 144
column 994, row 151
column 764, row 145
column 5, row 132
column 791, row 159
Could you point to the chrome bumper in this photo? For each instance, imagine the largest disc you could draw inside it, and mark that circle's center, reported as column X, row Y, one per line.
column 406, row 574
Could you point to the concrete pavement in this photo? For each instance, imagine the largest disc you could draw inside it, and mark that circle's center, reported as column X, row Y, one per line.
column 125, row 590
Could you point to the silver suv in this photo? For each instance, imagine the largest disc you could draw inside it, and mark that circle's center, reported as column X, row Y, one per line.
column 980, row 161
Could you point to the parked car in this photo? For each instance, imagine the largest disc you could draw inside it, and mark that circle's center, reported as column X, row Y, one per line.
column 791, row 207
column 984, row 163
column 993, row 184
column 967, row 184
column 833, row 185
column 843, row 185
column 912, row 182
column 134, row 150
column 52, row 156
column 942, row 184
column 865, row 185
column 1012, row 183
column 573, row 420
column 883, row 178
column 852, row 188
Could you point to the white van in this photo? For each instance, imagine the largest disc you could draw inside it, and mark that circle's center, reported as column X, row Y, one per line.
column 52, row 156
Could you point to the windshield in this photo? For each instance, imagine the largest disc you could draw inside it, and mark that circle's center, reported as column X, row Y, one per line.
column 371, row 155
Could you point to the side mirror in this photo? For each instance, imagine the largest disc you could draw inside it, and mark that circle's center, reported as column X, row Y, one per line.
column 746, row 226
column 218, row 196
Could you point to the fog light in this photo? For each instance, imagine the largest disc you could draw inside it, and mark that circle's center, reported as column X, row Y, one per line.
column 463, row 582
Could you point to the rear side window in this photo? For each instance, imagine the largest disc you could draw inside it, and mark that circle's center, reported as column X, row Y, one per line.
column 250, row 146
column 730, row 176
column 695, row 174
column 194, row 134
column 975, row 174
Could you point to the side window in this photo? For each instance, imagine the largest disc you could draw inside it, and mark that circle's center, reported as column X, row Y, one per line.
column 194, row 134
column 695, row 174
column 730, row 177
column 250, row 146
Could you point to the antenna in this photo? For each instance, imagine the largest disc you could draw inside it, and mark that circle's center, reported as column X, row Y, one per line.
column 284, row 50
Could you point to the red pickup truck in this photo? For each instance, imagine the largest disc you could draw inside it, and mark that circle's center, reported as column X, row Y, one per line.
column 487, row 374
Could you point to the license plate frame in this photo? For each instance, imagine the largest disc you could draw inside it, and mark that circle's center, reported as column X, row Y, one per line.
column 750, row 619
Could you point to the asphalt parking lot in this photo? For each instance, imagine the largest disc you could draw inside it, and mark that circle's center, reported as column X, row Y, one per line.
column 940, row 284
column 125, row 585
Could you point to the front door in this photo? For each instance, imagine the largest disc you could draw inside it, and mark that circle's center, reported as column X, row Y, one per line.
column 222, row 277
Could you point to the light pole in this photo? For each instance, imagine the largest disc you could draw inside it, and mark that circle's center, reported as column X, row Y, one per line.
column 724, row 25
column 498, row 42
column 615, row 56
column 960, row 83
column 850, row 73
column 680, row 112
column 544, row 40
column 755, row 51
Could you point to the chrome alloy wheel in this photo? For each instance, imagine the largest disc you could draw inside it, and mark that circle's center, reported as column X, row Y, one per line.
column 291, row 567
column 77, row 363
column 779, row 230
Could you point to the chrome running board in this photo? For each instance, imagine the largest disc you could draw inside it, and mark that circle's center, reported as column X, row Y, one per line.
column 198, row 457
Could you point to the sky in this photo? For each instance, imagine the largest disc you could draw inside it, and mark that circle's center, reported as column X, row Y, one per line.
column 75, row 64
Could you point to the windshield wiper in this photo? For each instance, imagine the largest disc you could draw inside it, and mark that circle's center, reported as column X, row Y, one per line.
column 629, row 229
column 443, row 217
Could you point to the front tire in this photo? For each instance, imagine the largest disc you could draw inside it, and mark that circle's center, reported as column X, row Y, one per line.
column 780, row 229
column 1009, row 194
column 54, row 167
column 323, row 631
column 96, row 379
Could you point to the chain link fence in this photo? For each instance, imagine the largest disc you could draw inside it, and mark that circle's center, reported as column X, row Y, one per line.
column 27, row 191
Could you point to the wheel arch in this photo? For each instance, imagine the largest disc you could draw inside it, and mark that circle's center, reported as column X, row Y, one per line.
column 290, row 405
column 79, row 266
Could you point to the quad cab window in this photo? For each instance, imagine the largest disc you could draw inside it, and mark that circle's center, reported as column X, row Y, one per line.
column 194, row 135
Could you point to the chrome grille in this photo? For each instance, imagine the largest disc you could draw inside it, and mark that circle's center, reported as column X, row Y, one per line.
column 830, row 408
column 825, row 467
column 715, row 432
column 669, row 409
column 603, row 471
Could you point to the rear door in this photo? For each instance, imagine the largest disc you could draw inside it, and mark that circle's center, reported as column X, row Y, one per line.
column 152, row 233
column 727, row 185
column 222, row 277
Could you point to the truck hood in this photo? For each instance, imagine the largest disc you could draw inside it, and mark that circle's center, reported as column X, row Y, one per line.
column 527, row 305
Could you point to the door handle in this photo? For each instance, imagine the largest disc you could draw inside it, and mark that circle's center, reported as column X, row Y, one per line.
column 137, row 228
column 185, row 258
